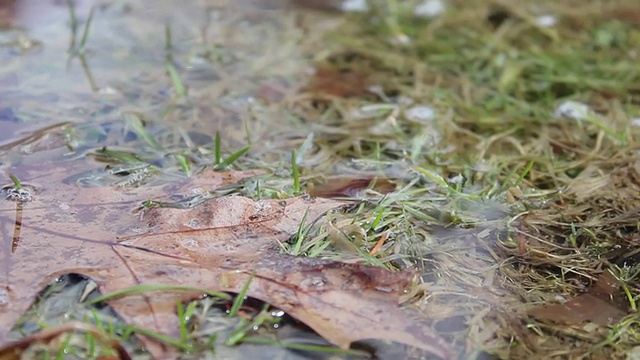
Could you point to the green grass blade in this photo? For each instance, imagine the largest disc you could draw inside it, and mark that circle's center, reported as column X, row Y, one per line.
column 376, row 221
column 168, row 43
column 437, row 179
column 524, row 173
column 135, row 121
column 85, row 33
column 163, row 338
column 239, row 333
column 124, row 157
column 176, row 81
column 218, row 149
column 295, row 173
column 73, row 25
column 300, row 234
column 184, row 164
column 182, row 322
column 232, row 158
column 239, row 300
column 140, row 289
column 16, row 182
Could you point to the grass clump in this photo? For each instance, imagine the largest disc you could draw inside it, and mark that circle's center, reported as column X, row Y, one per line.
column 497, row 195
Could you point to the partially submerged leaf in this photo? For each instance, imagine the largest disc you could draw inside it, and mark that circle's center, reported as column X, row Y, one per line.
column 216, row 245
column 603, row 304
column 350, row 187
column 332, row 82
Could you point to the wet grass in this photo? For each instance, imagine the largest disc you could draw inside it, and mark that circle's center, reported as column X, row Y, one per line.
column 501, row 202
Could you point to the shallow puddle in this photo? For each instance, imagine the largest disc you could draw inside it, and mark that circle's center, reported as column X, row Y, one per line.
column 69, row 87
column 487, row 151
column 149, row 83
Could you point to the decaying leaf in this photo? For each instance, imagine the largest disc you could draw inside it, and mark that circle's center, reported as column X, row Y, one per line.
column 327, row 81
column 603, row 304
column 216, row 245
column 337, row 187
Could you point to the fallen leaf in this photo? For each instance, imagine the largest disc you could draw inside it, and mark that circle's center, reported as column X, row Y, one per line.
column 284, row 4
column 603, row 304
column 340, row 83
column 216, row 245
column 7, row 13
column 350, row 187
column 629, row 14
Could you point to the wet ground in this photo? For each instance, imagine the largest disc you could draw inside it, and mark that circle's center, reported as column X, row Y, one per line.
column 153, row 82
column 225, row 57
column 493, row 149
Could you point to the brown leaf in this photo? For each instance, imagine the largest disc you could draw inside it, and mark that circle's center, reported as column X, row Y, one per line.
column 350, row 187
column 629, row 14
column 216, row 245
column 284, row 4
column 340, row 83
column 603, row 304
column 7, row 13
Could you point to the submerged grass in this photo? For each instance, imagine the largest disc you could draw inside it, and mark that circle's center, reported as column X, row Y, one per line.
column 502, row 202
column 499, row 195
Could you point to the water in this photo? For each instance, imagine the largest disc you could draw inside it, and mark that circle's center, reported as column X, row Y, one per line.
column 62, row 98
column 151, row 83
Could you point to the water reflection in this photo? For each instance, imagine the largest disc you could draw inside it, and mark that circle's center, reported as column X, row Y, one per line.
column 63, row 66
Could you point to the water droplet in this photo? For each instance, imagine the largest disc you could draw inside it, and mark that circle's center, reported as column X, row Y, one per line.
column 190, row 244
column 193, row 223
column 229, row 247
column 386, row 289
column 262, row 205
column 4, row 297
column 313, row 283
